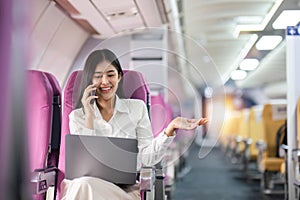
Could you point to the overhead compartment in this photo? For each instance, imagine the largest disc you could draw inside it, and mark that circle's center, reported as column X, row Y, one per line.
column 103, row 18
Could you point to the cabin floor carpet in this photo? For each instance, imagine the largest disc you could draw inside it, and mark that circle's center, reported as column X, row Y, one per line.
column 215, row 178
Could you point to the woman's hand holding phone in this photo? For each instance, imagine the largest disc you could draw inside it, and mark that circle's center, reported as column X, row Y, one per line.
column 92, row 93
column 88, row 99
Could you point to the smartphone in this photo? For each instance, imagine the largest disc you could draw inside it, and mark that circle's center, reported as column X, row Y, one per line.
column 92, row 93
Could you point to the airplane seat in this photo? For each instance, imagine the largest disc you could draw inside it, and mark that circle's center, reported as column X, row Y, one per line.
column 296, row 154
column 256, row 135
column 68, row 105
column 182, row 142
column 43, row 119
column 172, row 155
column 274, row 116
column 158, row 114
column 256, row 130
column 136, row 87
column 233, row 128
column 161, row 115
column 225, row 131
column 242, row 139
column 56, row 121
column 133, row 85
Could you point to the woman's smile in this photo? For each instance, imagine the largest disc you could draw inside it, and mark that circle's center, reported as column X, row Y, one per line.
column 105, row 89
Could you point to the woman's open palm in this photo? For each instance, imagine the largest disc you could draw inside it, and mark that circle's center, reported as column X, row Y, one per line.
column 188, row 124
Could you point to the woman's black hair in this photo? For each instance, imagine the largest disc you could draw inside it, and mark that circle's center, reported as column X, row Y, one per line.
column 95, row 58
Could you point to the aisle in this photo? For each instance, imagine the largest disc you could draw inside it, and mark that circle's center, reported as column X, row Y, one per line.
column 214, row 178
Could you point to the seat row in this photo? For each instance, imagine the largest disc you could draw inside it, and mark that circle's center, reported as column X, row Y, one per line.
column 252, row 138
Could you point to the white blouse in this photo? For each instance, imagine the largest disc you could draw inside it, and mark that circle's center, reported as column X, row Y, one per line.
column 130, row 120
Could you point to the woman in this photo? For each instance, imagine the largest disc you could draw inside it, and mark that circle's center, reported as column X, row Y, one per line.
column 101, row 112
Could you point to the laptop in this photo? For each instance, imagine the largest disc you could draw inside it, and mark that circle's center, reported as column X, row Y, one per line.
column 109, row 158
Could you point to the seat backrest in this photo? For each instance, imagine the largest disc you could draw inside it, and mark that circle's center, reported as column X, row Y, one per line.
column 56, row 121
column 229, row 127
column 225, row 130
column 234, row 124
column 133, row 86
column 160, row 114
column 274, row 116
column 244, row 123
column 256, row 130
column 42, row 89
column 39, row 117
column 69, row 102
column 298, row 122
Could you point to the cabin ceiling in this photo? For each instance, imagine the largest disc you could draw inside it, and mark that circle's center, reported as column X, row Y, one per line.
column 214, row 24
column 216, row 28
column 106, row 18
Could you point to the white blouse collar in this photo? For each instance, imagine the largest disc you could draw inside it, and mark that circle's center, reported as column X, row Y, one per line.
column 120, row 106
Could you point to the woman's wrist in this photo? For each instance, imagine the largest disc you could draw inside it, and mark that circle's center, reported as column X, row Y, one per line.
column 89, row 121
column 169, row 131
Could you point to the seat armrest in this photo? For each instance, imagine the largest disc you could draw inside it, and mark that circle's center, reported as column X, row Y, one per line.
column 147, row 179
column 159, row 173
column 261, row 145
column 42, row 179
column 247, row 141
column 296, row 161
column 284, row 147
column 238, row 139
column 283, row 150
column 296, row 154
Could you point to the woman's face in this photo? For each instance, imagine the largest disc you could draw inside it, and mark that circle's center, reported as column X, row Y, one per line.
column 107, row 79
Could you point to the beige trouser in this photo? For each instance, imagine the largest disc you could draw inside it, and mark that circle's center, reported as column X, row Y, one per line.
column 90, row 188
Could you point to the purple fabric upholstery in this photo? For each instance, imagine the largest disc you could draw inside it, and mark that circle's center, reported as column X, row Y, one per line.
column 56, row 128
column 39, row 117
column 161, row 114
column 39, row 107
column 5, row 71
column 54, row 84
column 68, row 105
column 133, row 86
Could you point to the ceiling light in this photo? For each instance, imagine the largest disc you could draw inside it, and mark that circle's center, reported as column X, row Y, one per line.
column 259, row 26
column 249, row 19
column 287, row 18
column 249, row 64
column 238, row 75
column 268, row 42
column 208, row 92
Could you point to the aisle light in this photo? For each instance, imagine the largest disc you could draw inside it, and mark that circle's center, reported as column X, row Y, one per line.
column 238, row 75
column 249, row 64
column 287, row 18
column 268, row 42
column 208, row 92
column 246, row 20
column 261, row 26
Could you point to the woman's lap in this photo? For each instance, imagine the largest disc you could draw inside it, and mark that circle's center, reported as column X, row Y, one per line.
column 89, row 188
